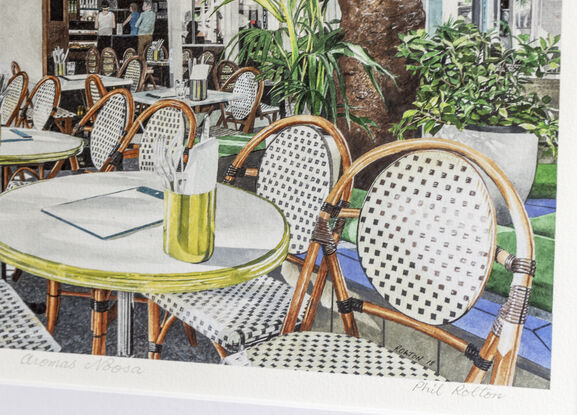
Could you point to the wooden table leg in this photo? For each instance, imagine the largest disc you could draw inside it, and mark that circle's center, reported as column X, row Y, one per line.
column 52, row 305
column 99, row 305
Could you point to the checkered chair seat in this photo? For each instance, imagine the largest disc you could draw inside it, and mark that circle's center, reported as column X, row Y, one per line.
column 331, row 353
column 63, row 113
column 236, row 316
column 268, row 109
column 19, row 327
column 217, row 131
column 14, row 184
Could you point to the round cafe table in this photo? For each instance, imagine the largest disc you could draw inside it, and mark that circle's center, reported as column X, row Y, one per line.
column 251, row 239
column 39, row 148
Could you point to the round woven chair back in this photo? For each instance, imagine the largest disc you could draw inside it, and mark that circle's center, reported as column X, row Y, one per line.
column 108, row 128
column 44, row 102
column 223, row 71
column 164, row 124
column 133, row 69
column 186, row 56
column 94, row 90
column 208, row 57
column 15, row 93
column 92, row 61
column 427, row 235
column 128, row 53
column 108, row 62
column 296, row 175
column 245, row 84
column 149, row 53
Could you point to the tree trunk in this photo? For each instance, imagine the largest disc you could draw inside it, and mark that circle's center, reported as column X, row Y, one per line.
column 376, row 25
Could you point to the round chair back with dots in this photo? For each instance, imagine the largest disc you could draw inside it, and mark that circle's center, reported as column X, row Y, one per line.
column 427, row 235
column 297, row 170
column 42, row 103
column 92, row 61
column 128, row 53
column 135, row 70
column 245, row 84
column 426, row 239
column 114, row 115
column 186, row 56
column 162, row 53
column 222, row 72
column 94, row 89
column 15, row 94
column 207, row 57
column 108, row 62
column 160, row 121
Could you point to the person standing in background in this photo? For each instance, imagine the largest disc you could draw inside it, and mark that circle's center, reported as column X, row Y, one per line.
column 104, row 23
column 132, row 19
column 145, row 25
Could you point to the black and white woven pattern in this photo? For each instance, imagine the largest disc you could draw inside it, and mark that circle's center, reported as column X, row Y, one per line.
column 94, row 92
column 426, row 235
column 164, row 124
column 92, row 61
column 150, row 54
column 108, row 62
column 63, row 113
column 296, row 175
column 331, row 353
column 133, row 72
column 42, row 104
column 236, row 316
column 108, row 129
column 246, row 85
column 266, row 109
column 11, row 98
column 225, row 71
column 19, row 327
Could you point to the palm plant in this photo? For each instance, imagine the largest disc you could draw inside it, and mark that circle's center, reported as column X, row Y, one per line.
column 306, row 72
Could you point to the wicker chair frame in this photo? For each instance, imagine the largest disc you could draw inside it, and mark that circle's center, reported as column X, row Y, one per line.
column 247, row 123
column 15, row 99
column 94, row 90
column 134, row 68
column 222, row 72
column 108, row 62
column 501, row 345
column 187, row 113
column 14, row 67
column 158, row 331
column 92, row 61
column 41, row 104
column 129, row 53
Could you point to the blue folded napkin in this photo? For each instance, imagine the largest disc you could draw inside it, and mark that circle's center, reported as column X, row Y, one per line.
column 20, row 133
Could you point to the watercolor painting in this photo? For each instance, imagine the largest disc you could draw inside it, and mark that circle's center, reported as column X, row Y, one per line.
column 272, row 186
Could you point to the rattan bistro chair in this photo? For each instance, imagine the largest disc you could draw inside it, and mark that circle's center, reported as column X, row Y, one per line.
column 41, row 104
column 114, row 116
column 135, row 70
column 92, row 61
column 222, row 72
column 427, row 242
column 108, row 62
column 241, row 113
column 160, row 121
column 14, row 67
column 94, row 90
column 128, row 53
column 299, row 166
column 19, row 327
column 15, row 94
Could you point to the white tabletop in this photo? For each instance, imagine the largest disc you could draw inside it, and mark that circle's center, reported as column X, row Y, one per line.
column 76, row 82
column 43, row 146
column 251, row 238
column 213, row 97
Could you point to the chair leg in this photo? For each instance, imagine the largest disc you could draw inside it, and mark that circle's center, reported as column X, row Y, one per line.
column 190, row 334
column 157, row 331
column 100, row 320
column 52, row 305
column 220, row 350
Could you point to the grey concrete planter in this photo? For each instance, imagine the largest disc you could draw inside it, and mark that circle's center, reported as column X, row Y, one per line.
column 514, row 150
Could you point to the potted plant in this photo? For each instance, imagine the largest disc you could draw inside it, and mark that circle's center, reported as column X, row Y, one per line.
column 472, row 89
column 302, row 58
